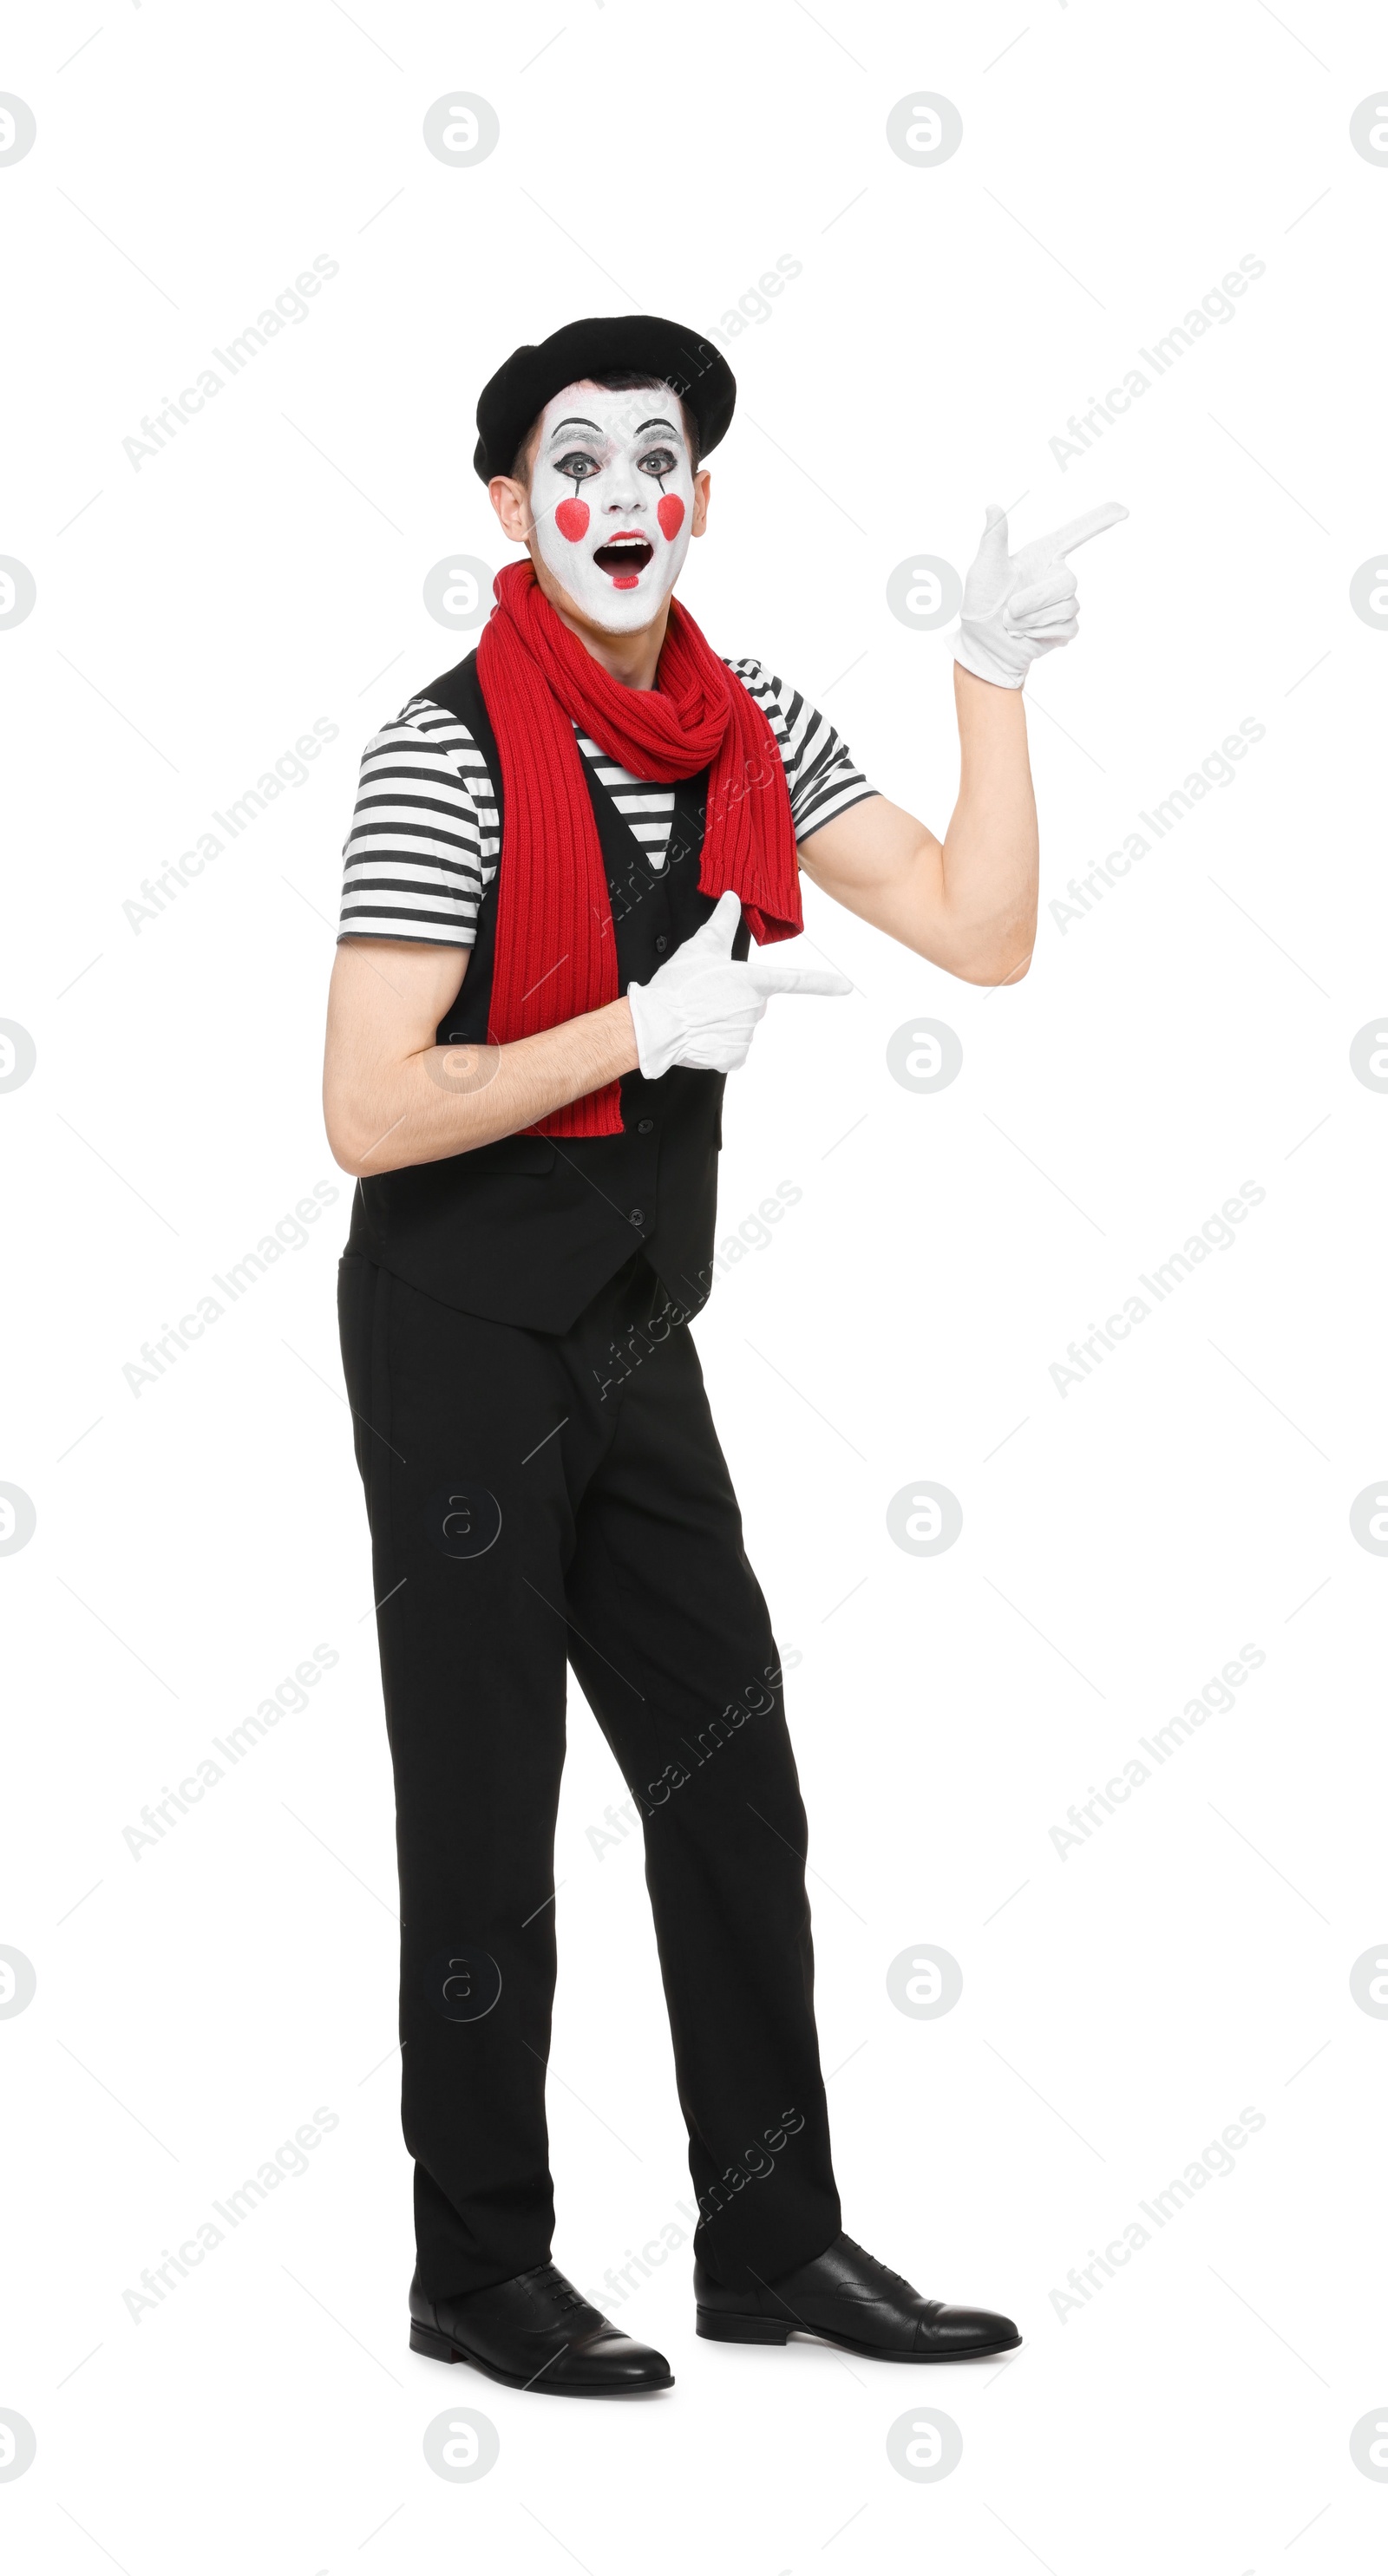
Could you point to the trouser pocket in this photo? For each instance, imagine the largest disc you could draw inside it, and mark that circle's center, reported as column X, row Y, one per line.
column 357, row 1286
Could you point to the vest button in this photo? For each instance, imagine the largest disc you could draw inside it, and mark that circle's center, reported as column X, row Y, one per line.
column 661, row 945
column 638, row 1216
column 644, row 1126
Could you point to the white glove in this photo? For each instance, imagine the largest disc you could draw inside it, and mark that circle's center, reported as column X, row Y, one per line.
column 1017, row 607
column 702, row 1006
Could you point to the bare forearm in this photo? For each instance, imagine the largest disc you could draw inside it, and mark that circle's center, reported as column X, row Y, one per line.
column 990, row 858
column 968, row 903
column 448, row 1100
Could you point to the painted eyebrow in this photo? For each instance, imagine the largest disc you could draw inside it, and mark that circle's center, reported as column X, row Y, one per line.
column 577, row 421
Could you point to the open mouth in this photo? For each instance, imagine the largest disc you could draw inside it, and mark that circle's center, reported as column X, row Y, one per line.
column 624, row 559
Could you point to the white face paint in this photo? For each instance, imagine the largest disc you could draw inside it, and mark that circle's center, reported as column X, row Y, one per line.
column 612, row 497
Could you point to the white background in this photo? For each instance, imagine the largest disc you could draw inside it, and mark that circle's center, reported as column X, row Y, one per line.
column 1121, row 1541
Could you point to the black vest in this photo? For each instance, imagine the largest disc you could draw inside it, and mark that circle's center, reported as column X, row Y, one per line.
column 525, row 1231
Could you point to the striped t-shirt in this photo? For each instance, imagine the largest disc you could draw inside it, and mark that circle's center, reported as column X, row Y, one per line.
column 424, row 841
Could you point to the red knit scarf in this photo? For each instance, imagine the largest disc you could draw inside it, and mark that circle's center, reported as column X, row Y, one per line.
column 556, row 951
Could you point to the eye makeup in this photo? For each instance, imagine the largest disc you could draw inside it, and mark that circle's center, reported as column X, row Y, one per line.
column 612, row 500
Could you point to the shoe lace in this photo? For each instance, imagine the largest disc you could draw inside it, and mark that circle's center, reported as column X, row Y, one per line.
column 560, row 2293
column 884, row 2268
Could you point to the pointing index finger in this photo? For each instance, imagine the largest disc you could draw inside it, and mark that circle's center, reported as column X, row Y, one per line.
column 770, row 975
column 1090, row 523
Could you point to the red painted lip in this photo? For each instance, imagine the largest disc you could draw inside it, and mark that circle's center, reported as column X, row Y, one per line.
column 621, row 564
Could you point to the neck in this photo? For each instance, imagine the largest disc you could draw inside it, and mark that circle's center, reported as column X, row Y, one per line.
column 630, row 660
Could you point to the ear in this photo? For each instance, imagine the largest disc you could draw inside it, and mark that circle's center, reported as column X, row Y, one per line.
column 511, row 502
column 699, row 521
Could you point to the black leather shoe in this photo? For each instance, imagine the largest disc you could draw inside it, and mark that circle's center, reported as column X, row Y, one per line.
column 846, row 2297
column 536, row 2332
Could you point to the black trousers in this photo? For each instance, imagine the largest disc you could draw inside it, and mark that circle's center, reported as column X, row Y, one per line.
column 539, row 1499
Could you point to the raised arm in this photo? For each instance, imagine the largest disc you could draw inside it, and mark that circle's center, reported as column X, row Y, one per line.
column 968, row 903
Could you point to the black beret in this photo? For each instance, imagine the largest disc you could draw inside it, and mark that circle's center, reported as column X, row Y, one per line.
column 607, row 343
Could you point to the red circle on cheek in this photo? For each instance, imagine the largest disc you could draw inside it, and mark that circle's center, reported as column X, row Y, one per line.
column 670, row 513
column 571, row 520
